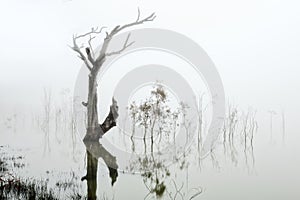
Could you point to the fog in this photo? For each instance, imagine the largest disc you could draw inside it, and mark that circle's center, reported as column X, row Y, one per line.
column 253, row 44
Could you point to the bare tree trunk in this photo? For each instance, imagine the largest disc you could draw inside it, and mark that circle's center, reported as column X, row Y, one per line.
column 283, row 127
column 95, row 151
column 272, row 113
column 46, row 121
column 91, row 176
column 92, row 113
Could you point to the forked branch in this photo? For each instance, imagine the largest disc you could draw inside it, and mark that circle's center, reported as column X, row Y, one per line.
column 150, row 18
column 81, row 55
column 94, row 64
column 93, row 31
column 89, row 60
column 116, row 30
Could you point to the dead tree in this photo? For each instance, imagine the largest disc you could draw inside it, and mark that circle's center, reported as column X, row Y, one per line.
column 272, row 113
column 46, row 121
column 94, row 129
column 94, row 64
column 283, row 126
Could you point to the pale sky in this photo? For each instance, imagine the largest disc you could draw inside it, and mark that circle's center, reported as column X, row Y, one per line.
column 254, row 44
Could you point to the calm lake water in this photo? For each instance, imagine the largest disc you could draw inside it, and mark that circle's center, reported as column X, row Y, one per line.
column 269, row 169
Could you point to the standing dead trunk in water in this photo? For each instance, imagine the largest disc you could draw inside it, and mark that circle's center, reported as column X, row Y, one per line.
column 283, row 126
column 95, row 151
column 272, row 113
column 94, row 129
column 46, row 122
column 94, row 65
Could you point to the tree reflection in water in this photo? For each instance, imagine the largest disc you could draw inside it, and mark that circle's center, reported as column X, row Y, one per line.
column 95, row 150
column 159, row 173
column 154, row 118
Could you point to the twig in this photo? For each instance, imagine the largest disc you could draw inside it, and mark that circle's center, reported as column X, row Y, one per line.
column 125, row 46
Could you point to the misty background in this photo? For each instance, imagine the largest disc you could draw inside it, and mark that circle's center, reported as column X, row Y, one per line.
column 254, row 44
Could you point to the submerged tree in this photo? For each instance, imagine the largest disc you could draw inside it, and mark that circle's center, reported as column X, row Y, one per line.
column 46, row 122
column 94, row 61
column 156, row 118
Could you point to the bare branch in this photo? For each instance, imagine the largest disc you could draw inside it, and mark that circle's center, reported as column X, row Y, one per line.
column 150, row 18
column 125, row 45
column 110, row 120
column 199, row 191
column 178, row 191
column 81, row 55
column 89, row 50
column 90, row 45
column 93, row 31
column 116, row 30
column 139, row 14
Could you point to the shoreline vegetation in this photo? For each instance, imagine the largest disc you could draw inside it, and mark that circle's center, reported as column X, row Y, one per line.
column 16, row 186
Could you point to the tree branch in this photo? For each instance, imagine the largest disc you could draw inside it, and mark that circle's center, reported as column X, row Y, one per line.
column 93, row 31
column 116, row 30
column 81, row 55
column 199, row 191
column 110, row 120
column 89, row 51
column 139, row 14
column 90, row 45
column 150, row 18
column 125, row 45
